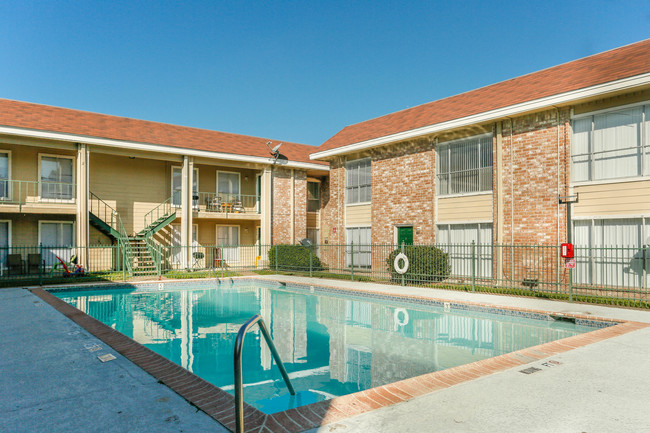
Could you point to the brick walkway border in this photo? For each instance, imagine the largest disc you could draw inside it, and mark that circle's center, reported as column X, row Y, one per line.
column 220, row 405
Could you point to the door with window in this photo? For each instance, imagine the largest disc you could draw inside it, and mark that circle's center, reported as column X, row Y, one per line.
column 57, row 238
column 228, row 188
column 4, row 243
column 177, row 185
column 358, row 248
column 57, row 178
column 228, row 243
column 4, row 176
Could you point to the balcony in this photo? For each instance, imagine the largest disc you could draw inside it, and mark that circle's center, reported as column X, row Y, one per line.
column 223, row 205
column 35, row 196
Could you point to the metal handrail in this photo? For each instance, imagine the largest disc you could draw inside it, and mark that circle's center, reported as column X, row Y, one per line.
column 101, row 207
column 239, row 383
column 163, row 209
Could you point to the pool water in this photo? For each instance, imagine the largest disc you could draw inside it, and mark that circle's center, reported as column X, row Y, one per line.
column 331, row 344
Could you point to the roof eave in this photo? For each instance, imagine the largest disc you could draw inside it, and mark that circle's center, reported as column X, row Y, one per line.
column 492, row 115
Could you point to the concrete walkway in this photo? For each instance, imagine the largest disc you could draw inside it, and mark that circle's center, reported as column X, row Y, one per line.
column 53, row 381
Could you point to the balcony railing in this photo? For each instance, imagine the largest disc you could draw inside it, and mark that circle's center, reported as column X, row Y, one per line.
column 21, row 192
column 216, row 202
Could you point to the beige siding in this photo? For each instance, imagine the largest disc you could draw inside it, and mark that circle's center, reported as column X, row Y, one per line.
column 313, row 220
column 625, row 198
column 614, row 101
column 467, row 208
column 132, row 186
column 24, row 228
column 358, row 215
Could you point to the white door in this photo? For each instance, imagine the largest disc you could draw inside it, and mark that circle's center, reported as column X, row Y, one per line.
column 177, row 185
column 4, row 243
column 228, row 241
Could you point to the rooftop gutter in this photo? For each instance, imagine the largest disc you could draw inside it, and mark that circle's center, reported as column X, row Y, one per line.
column 147, row 147
column 492, row 115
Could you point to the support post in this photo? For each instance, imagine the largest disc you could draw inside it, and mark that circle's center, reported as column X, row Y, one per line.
column 352, row 261
column 473, row 266
column 569, row 200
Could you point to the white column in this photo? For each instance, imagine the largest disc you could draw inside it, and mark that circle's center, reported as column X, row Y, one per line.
column 186, row 210
column 83, row 196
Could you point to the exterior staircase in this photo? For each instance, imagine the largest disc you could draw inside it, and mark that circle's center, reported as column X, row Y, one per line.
column 140, row 254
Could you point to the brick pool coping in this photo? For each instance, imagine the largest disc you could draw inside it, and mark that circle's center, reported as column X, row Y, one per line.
column 219, row 404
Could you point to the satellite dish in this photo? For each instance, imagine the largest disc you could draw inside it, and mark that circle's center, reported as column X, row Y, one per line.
column 306, row 242
column 275, row 149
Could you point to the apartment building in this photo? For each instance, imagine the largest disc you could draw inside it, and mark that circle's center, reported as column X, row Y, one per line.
column 73, row 178
column 490, row 165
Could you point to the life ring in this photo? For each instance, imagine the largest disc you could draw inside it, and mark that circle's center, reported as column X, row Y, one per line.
column 401, row 269
column 397, row 320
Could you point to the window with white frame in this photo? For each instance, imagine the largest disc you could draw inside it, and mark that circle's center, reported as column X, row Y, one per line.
column 313, row 196
column 57, row 177
column 229, row 186
column 4, row 175
column 57, row 238
column 456, row 240
column 358, row 247
column 357, row 181
column 612, row 251
column 228, row 242
column 465, row 166
column 612, row 144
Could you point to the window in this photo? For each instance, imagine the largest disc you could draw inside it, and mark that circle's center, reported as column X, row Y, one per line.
column 456, row 240
column 465, row 166
column 611, row 145
column 4, row 175
column 58, row 236
column 357, row 181
column 57, row 176
column 357, row 250
column 313, row 196
column 609, row 251
column 177, row 186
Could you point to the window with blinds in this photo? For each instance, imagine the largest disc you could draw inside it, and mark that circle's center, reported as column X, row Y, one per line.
column 611, row 145
column 465, row 166
column 357, row 181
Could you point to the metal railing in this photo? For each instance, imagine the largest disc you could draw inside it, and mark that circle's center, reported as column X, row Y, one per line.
column 162, row 210
column 239, row 382
column 111, row 217
column 21, row 192
column 225, row 203
column 611, row 275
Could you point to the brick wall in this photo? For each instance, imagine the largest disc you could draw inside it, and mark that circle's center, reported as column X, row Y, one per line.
column 286, row 182
column 403, row 190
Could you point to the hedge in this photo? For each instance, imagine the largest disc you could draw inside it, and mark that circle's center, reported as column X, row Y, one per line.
column 426, row 264
column 293, row 258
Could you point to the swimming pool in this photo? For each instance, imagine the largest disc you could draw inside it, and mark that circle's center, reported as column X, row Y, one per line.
column 332, row 343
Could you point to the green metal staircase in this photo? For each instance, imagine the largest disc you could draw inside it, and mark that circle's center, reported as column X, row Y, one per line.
column 141, row 254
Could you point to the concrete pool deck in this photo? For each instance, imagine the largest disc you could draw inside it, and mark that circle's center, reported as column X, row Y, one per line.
column 53, row 380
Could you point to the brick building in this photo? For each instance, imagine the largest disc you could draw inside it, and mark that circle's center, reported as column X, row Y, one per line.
column 489, row 165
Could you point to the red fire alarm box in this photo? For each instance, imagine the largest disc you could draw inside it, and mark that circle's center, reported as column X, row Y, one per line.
column 566, row 251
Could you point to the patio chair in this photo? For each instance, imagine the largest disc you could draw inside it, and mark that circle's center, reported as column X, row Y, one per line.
column 34, row 263
column 237, row 205
column 15, row 264
column 198, row 256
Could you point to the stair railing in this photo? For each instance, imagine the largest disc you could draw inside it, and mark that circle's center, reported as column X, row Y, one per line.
column 163, row 209
column 154, row 251
column 110, row 216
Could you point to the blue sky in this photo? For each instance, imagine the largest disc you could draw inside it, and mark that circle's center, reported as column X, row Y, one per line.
column 294, row 70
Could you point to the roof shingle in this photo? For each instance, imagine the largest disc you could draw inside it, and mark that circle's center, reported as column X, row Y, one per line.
column 600, row 68
column 63, row 120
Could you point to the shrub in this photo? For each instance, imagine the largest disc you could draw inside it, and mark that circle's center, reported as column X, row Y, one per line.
column 292, row 258
column 426, row 264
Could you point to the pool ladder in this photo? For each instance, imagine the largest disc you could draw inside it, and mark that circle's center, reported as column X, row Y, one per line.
column 239, row 382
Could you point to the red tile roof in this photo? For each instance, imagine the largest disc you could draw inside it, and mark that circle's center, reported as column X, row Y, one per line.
column 600, row 68
column 64, row 120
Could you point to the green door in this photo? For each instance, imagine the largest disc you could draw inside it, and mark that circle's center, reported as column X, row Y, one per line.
column 405, row 234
